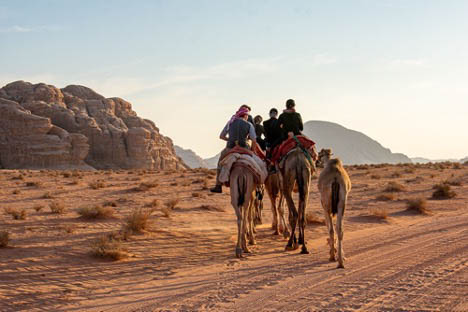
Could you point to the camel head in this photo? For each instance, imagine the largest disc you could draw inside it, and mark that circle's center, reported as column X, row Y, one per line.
column 323, row 157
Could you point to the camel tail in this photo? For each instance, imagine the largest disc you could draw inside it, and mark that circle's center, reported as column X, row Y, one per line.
column 241, row 186
column 335, row 196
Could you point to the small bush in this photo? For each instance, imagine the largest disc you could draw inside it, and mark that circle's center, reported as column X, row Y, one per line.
column 18, row 177
column 33, row 184
column 97, row 185
column 409, row 170
column 443, row 191
column 418, row 205
column 145, row 186
column 154, row 203
column 57, row 207
column 109, row 248
column 16, row 214
column 196, row 194
column 38, row 207
column 16, row 192
column 67, row 174
column 314, row 219
column 375, row 176
column 210, row 208
column 96, row 212
column 394, row 187
column 138, row 221
column 457, row 166
column 4, row 239
column 395, row 175
column 48, row 195
column 386, row 197
column 379, row 213
column 205, row 185
column 453, row 182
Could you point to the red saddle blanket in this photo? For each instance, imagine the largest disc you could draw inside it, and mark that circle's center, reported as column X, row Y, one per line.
column 280, row 151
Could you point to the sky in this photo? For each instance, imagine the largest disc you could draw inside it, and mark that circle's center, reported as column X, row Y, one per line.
column 396, row 70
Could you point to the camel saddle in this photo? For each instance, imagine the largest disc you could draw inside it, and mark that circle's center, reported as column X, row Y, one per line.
column 282, row 150
column 242, row 150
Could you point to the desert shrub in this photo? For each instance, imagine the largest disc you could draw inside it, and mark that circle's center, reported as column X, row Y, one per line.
column 38, row 207
column 33, row 184
column 415, row 180
column 74, row 182
column 453, row 182
column 109, row 248
column 210, row 208
column 379, row 213
column 394, row 187
column 138, row 220
column 457, row 166
column 110, row 203
column 69, row 228
column 386, row 197
column 196, row 194
column 443, row 191
column 57, row 207
column 175, row 183
column 395, row 175
column 409, row 170
column 16, row 213
column 169, row 207
column 48, row 195
column 198, row 181
column 96, row 212
column 66, row 174
column 97, row 185
column 185, row 183
column 312, row 218
column 18, row 177
column 375, row 176
column 154, row 203
column 145, row 186
column 4, row 239
column 205, row 184
column 418, row 205
column 16, row 192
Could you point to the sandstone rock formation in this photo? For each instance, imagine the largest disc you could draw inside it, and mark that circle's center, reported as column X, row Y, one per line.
column 104, row 132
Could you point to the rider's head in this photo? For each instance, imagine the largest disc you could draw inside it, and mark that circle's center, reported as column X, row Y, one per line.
column 258, row 119
column 273, row 113
column 290, row 104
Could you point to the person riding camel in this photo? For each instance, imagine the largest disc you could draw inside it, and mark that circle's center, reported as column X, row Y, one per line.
column 290, row 121
column 272, row 131
column 236, row 132
column 259, row 131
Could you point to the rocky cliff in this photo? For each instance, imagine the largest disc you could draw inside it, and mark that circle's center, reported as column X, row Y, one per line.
column 42, row 126
column 190, row 158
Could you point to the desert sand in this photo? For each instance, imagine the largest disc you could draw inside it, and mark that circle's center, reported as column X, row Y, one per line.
column 397, row 259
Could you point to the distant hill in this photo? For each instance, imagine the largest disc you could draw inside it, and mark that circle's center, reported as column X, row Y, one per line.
column 351, row 146
column 463, row 160
column 423, row 160
column 190, row 158
column 212, row 162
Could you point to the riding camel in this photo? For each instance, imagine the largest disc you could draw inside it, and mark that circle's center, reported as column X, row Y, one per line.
column 273, row 188
column 297, row 169
column 334, row 185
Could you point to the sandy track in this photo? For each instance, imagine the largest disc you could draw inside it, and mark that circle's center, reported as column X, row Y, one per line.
column 408, row 267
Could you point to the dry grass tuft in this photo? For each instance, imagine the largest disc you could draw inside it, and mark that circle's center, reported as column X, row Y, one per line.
column 145, row 186
column 47, row 195
column 395, row 175
column 109, row 248
column 394, row 187
column 443, row 191
column 16, row 214
column 418, row 205
column 15, row 192
column 96, row 212
column 57, row 207
column 110, row 203
column 205, row 185
column 210, row 208
column 38, row 207
column 196, row 194
column 453, row 182
column 379, row 213
column 386, row 197
column 97, row 185
column 312, row 218
column 138, row 220
column 375, row 176
column 4, row 239
column 155, row 203
column 33, row 184
column 170, row 205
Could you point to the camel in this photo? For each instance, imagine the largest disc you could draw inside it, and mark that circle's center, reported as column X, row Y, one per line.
column 273, row 188
column 334, row 185
column 258, row 205
column 242, row 185
column 297, row 169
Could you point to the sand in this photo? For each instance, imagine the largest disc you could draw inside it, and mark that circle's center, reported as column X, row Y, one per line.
column 186, row 261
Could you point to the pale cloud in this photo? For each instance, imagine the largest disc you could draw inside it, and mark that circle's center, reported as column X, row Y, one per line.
column 23, row 29
column 407, row 62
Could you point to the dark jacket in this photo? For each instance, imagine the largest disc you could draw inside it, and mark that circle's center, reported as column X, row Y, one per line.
column 272, row 131
column 290, row 122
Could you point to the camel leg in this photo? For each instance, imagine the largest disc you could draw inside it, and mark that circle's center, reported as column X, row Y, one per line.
column 282, row 220
column 302, row 209
column 274, row 211
column 329, row 220
column 339, row 230
column 251, row 223
column 292, row 243
column 239, row 232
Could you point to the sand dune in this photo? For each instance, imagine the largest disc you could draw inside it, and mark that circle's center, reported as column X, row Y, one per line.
column 185, row 262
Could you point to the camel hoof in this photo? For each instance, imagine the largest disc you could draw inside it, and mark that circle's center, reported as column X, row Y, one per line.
column 340, row 266
column 332, row 259
column 304, row 251
column 238, row 253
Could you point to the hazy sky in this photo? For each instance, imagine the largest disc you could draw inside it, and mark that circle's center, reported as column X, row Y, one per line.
column 396, row 70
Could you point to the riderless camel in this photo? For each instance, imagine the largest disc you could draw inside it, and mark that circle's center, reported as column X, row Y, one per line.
column 334, row 185
column 242, row 184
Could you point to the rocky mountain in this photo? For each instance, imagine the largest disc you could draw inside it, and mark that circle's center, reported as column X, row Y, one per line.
column 464, row 160
column 351, row 146
column 212, row 162
column 423, row 160
column 42, row 126
column 190, row 158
